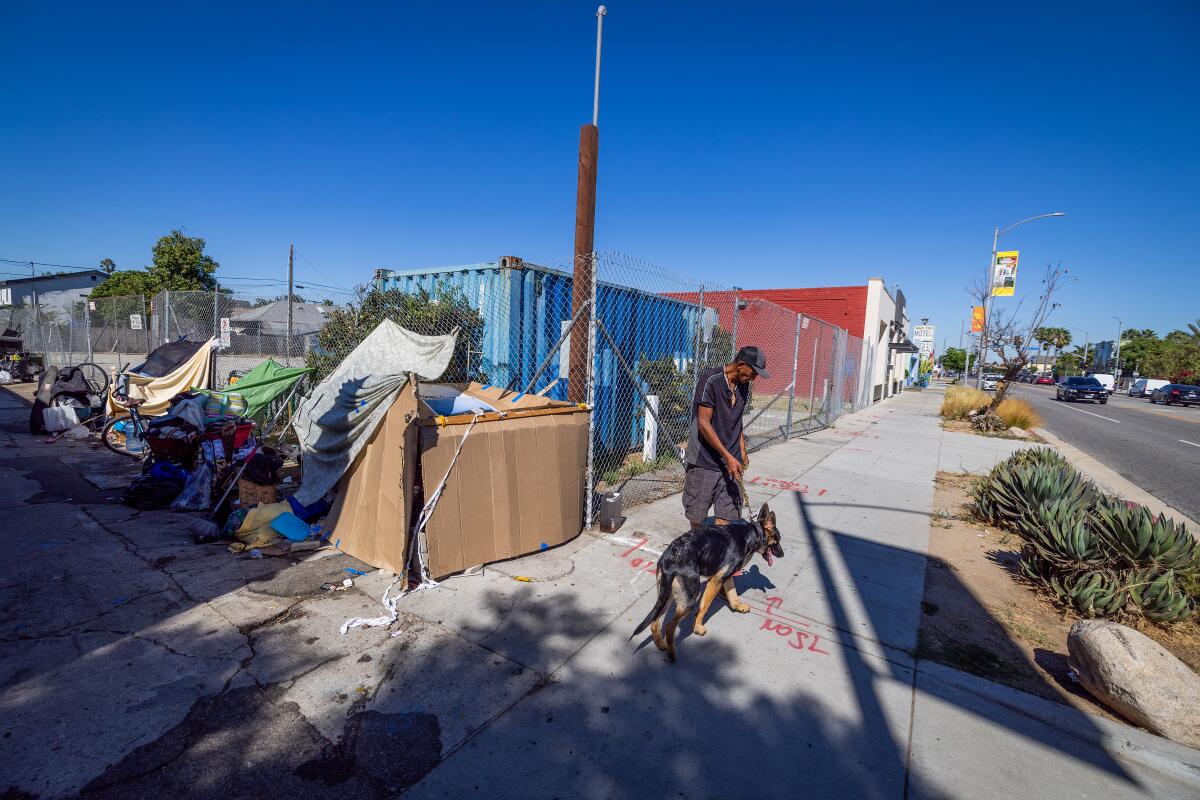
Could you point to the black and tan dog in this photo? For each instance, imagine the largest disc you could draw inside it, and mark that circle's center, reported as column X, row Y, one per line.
column 702, row 562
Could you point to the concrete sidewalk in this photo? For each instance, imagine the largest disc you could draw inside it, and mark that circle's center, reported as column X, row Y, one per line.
column 816, row 693
column 137, row 665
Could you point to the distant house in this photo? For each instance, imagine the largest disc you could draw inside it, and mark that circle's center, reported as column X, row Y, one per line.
column 52, row 292
column 272, row 319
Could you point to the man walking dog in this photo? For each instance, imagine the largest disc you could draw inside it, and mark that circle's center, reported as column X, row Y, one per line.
column 716, row 450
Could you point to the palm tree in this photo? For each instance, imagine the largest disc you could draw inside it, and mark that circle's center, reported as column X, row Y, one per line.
column 1194, row 327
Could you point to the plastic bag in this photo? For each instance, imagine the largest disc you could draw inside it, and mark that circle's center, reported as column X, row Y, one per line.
column 5, row 376
column 197, row 492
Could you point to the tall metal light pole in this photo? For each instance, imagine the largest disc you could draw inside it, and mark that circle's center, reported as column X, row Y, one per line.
column 987, row 283
column 583, row 273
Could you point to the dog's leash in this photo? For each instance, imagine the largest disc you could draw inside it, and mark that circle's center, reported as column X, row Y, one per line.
column 745, row 497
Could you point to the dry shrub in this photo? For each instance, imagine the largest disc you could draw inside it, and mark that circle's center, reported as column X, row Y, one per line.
column 961, row 400
column 1018, row 413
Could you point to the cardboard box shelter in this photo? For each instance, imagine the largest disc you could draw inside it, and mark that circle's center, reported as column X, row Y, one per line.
column 517, row 486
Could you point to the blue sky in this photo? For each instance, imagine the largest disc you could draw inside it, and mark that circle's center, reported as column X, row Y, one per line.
column 764, row 145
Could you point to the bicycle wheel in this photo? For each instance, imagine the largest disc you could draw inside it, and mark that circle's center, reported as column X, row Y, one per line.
column 96, row 377
column 114, row 439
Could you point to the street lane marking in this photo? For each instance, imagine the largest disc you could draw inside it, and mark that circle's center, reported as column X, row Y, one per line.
column 1178, row 415
column 1193, row 444
column 1081, row 411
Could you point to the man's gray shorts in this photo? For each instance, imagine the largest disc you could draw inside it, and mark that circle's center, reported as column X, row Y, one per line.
column 706, row 488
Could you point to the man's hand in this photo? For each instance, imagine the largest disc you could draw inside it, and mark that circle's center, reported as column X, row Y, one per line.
column 734, row 466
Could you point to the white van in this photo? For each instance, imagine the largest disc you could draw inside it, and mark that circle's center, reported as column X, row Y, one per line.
column 1106, row 381
column 1142, row 387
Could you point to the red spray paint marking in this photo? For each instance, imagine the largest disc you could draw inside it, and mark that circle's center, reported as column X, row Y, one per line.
column 787, row 486
column 773, row 620
column 786, row 631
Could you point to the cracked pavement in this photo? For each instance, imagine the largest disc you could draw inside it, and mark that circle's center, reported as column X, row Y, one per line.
column 135, row 664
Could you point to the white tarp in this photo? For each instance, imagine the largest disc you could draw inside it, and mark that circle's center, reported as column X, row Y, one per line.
column 338, row 418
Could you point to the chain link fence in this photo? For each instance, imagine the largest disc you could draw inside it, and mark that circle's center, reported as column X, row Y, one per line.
column 651, row 334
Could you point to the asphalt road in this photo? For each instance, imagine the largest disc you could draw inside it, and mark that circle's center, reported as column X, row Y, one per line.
column 1155, row 446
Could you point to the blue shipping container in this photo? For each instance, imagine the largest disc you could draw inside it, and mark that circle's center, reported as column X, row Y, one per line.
column 525, row 309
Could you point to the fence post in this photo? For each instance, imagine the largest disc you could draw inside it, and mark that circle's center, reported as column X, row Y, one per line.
column 795, row 368
column 590, row 381
column 650, row 431
column 87, row 325
column 166, row 315
column 733, row 345
column 145, row 318
column 812, row 381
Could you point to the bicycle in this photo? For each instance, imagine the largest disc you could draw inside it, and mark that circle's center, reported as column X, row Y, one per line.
column 126, row 436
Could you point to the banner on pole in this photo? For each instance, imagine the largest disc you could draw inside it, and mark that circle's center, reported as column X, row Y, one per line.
column 976, row 319
column 1004, row 273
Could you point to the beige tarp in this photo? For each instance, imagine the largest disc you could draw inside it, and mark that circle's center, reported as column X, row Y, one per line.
column 157, row 392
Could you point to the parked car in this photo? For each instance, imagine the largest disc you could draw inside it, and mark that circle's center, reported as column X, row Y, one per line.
column 1078, row 388
column 1106, row 380
column 1142, row 387
column 990, row 381
column 1044, row 380
column 1181, row 393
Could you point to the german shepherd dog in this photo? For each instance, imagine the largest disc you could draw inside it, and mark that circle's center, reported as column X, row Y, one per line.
column 704, row 560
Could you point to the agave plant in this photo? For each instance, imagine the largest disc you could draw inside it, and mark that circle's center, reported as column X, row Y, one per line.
column 1010, row 492
column 1159, row 596
column 1096, row 593
column 1038, row 456
column 1141, row 541
column 1058, row 533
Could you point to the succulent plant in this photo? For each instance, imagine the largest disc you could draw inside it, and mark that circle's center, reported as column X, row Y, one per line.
column 1160, row 596
column 1098, row 555
column 1142, row 541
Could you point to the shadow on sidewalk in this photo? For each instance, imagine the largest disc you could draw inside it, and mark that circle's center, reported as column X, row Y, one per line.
column 865, row 677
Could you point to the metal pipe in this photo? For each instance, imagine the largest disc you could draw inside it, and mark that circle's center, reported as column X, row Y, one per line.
column 795, row 367
column 601, row 13
column 591, row 395
column 812, row 381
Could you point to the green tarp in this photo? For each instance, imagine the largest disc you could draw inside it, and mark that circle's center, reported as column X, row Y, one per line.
column 263, row 384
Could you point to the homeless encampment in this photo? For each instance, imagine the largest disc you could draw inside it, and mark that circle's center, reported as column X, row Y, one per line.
column 513, row 464
column 169, row 370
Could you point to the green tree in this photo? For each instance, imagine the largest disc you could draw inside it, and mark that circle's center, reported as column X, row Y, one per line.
column 1062, row 338
column 954, row 359
column 1175, row 358
column 1044, row 337
column 433, row 314
column 179, row 264
column 1194, row 327
column 124, row 282
column 1136, row 348
column 108, row 265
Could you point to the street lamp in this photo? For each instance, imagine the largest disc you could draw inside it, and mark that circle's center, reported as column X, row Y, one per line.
column 987, row 284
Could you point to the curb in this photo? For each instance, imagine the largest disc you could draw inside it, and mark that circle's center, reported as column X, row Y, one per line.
column 1111, row 481
column 1120, row 740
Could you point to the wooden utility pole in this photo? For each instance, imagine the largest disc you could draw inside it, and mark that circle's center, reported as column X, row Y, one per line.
column 288, row 346
column 585, row 230
column 581, row 285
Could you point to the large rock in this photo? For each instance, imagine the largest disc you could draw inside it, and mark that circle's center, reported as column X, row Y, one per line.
column 1136, row 677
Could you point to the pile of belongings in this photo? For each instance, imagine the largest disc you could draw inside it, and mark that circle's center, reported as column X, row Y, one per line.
column 69, row 391
column 188, row 448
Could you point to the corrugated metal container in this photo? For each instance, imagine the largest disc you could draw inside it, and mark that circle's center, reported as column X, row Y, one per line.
column 525, row 308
